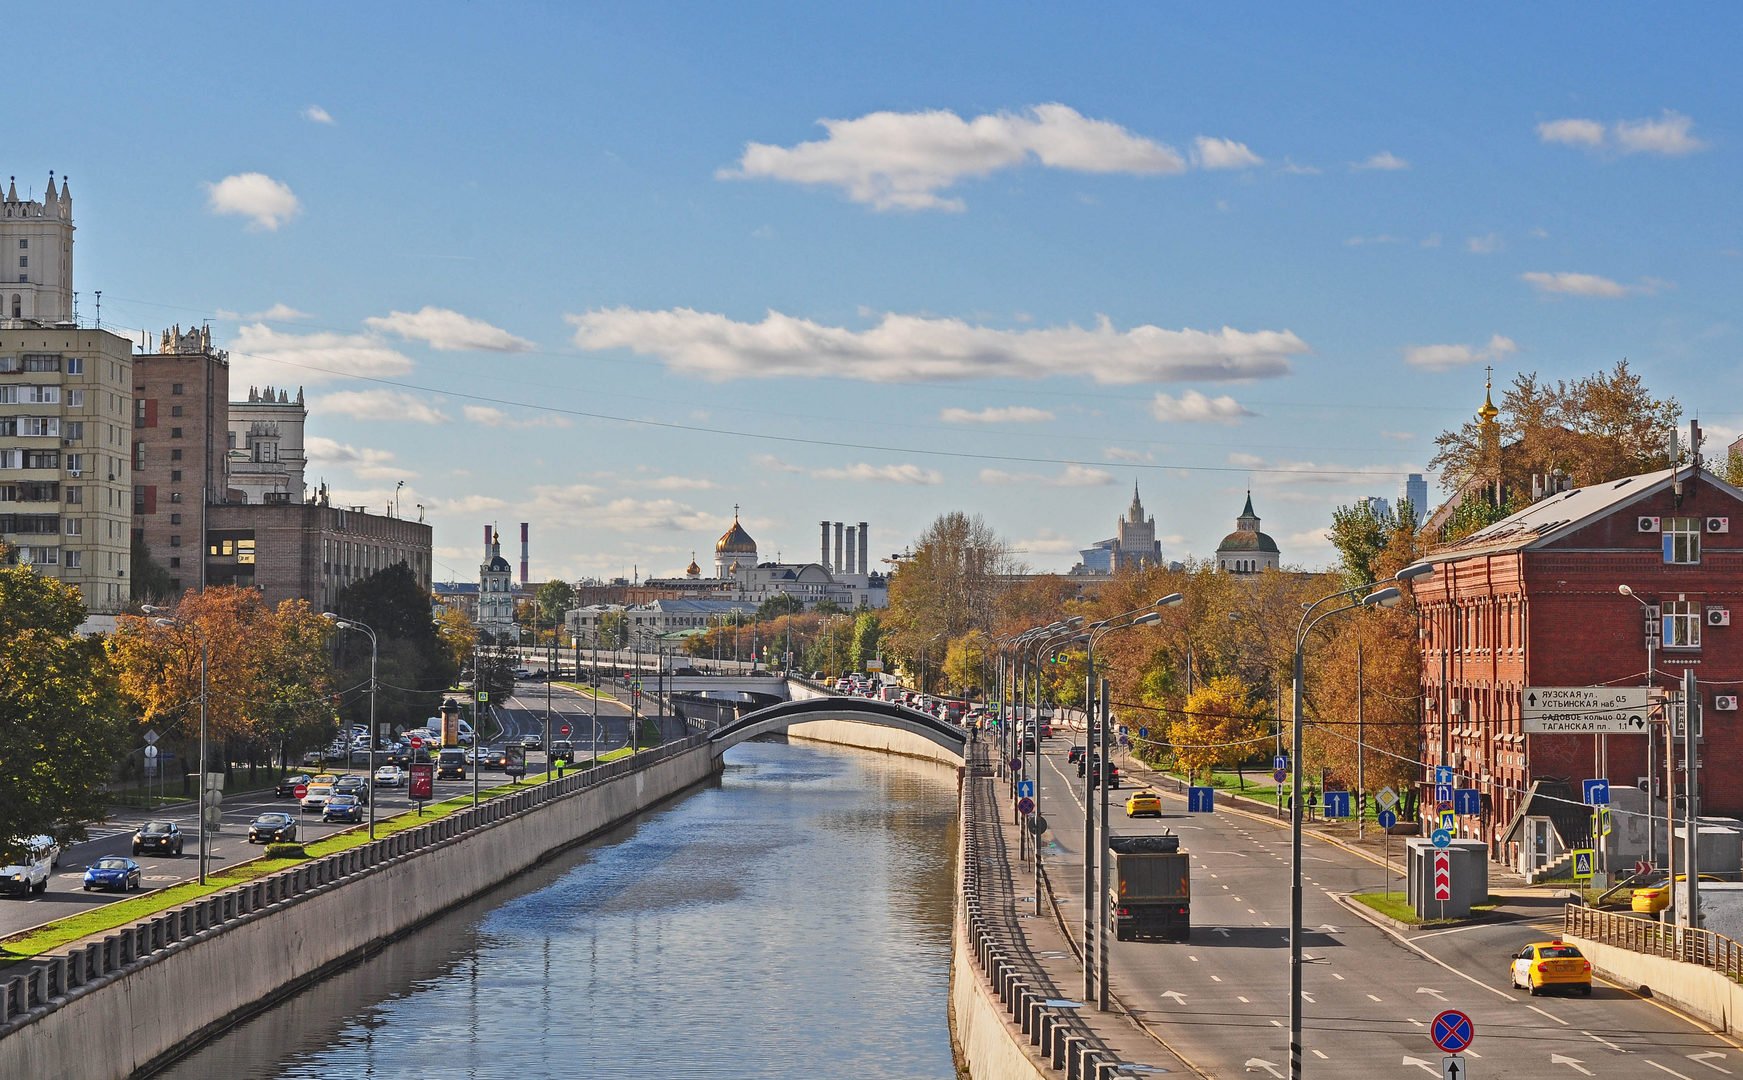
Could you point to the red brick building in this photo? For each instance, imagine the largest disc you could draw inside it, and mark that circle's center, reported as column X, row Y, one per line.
column 1534, row 600
column 181, row 397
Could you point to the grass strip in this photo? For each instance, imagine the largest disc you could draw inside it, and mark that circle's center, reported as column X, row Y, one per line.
column 1397, row 906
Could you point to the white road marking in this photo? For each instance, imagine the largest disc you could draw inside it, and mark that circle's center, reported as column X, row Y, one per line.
column 1666, row 1068
column 1551, row 1015
column 1336, row 976
column 1216, row 978
column 1702, row 1060
column 1319, row 1054
column 1371, row 997
column 1242, row 1000
column 1194, row 959
column 1572, row 1063
column 1604, row 1041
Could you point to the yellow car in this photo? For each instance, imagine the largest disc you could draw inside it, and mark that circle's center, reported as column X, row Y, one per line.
column 1139, row 803
column 1655, row 898
column 1544, row 965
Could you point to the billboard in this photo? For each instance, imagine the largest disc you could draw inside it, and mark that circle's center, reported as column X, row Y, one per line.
column 423, row 780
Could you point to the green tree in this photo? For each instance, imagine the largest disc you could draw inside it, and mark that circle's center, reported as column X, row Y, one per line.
column 778, row 605
column 965, row 663
column 867, row 641
column 1732, row 472
column 1369, row 539
column 554, row 598
column 150, row 579
column 60, row 716
column 950, row 585
column 415, row 666
column 613, row 629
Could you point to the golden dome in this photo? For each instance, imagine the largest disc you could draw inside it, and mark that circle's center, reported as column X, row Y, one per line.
column 735, row 541
column 692, row 570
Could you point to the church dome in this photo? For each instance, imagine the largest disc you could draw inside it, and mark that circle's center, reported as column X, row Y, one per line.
column 692, row 570
column 735, row 541
column 499, row 564
column 1247, row 540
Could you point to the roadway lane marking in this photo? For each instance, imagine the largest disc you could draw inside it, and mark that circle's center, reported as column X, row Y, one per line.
column 1194, row 959
column 1664, row 1068
column 1551, row 1015
column 1321, row 1055
column 1250, row 911
column 1702, row 1059
column 1216, row 978
column 1371, row 997
column 1242, row 1000
column 1604, row 1041
column 1336, row 976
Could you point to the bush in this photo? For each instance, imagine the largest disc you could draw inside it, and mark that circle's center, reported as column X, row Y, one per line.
column 286, row 851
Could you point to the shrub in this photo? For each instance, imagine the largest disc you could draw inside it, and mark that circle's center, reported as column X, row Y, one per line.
column 286, row 851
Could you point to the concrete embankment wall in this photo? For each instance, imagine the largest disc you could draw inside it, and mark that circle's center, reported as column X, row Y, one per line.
column 138, row 1017
column 873, row 737
column 1701, row 992
column 988, row 1045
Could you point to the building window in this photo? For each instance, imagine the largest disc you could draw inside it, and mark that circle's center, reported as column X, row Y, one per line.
column 175, row 496
column 43, row 362
column 138, row 412
column 75, row 527
column 1682, row 540
column 22, row 244
column 175, row 541
column 175, row 410
column 175, row 474
column 75, row 559
column 75, row 365
column 175, row 562
column 175, row 519
column 75, row 496
column 175, row 455
column 23, row 261
column 175, row 432
column 176, row 389
column 1682, row 622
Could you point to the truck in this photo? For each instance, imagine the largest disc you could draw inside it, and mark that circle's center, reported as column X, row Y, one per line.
column 1149, row 887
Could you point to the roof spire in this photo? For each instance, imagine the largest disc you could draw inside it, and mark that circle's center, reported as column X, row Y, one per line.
column 1488, row 412
column 1248, row 510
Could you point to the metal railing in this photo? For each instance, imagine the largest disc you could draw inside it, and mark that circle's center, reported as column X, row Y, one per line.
column 1689, row 945
column 52, row 977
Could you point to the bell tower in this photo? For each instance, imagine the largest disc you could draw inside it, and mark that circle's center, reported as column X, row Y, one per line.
column 36, row 254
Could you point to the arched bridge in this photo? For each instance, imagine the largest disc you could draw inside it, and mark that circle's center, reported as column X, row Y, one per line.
column 860, row 710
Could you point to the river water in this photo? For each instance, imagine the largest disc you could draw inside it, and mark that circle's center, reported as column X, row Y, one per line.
column 790, row 921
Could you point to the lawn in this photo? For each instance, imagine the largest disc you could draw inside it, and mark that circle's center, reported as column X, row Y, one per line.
column 1397, row 906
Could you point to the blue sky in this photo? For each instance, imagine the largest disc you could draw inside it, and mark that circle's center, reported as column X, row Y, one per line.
column 613, row 271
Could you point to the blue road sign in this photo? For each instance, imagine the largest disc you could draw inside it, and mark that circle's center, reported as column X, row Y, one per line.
column 1443, row 793
column 1337, row 804
column 1016, row 764
column 1025, row 789
column 1280, row 775
column 1124, row 730
column 1441, row 838
column 1449, row 821
column 1466, row 800
column 1280, row 763
column 1583, row 863
column 1443, row 774
column 1388, row 818
column 1452, row 1031
column 1143, row 733
column 1025, row 806
column 1597, row 792
column 1200, row 800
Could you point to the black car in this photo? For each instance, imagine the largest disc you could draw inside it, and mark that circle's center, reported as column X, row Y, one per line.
column 496, row 758
column 287, row 788
column 164, row 837
column 451, row 765
column 272, row 827
column 562, row 750
column 353, row 785
column 1073, row 755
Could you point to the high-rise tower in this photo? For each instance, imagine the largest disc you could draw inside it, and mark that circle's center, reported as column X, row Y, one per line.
column 36, row 255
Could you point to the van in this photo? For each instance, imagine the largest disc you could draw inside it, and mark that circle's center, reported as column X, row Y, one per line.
column 451, row 764
column 31, row 872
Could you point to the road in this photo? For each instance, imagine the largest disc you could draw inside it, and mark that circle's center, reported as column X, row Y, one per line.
column 1368, row 995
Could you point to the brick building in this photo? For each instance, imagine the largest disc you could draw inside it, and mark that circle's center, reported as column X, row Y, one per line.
column 309, row 550
column 181, row 401
column 1534, row 600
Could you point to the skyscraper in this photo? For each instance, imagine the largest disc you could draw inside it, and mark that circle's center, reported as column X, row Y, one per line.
column 1416, row 493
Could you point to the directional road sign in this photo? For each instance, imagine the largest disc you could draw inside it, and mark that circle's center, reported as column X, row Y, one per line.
column 1386, row 799
column 1280, row 763
column 1025, row 806
column 1443, row 774
column 1597, row 792
column 1452, row 1031
column 1124, row 730
column 1585, row 710
column 151, row 736
column 1582, row 864
column 1201, row 800
column 1026, row 789
column 1443, row 885
column 1466, row 800
column 1443, row 793
column 1337, row 804
column 150, row 752
column 1441, row 838
column 1143, row 733
column 1452, row 1067
column 1388, row 819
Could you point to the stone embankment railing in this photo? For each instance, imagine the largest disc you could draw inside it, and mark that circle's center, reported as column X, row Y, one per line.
column 53, row 977
column 1688, row 945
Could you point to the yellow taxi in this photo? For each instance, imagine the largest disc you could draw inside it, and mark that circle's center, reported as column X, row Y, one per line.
column 1545, row 965
column 1139, row 803
column 1655, row 898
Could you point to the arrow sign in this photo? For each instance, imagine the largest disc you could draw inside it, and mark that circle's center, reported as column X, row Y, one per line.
column 1337, row 804
column 1443, row 883
column 1453, row 1068
column 1702, row 1059
column 1597, row 792
column 1177, row 996
column 1261, row 1063
column 1443, row 774
column 1201, row 800
column 1467, row 800
column 1419, row 1063
column 1025, row 789
column 1560, row 1059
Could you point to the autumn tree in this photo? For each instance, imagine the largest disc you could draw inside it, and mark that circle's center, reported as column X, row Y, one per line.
column 1373, row 542
column 950, row 585
column 61, row 725
column 457, row 633
column 1361, row 704
column 1215, row 728
column 554, row 598
column 965, row 663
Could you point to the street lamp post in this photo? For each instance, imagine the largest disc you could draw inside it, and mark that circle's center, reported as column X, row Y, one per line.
column 200, row 837
column 1652, row 744
column 374, row 691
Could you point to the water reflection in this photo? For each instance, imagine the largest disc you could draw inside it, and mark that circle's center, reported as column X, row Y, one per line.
column 792, row 920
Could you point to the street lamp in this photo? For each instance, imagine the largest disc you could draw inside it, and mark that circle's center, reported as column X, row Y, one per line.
column 205, row 656
column 1388, row 595
column 1652, row 749
column 374, row 687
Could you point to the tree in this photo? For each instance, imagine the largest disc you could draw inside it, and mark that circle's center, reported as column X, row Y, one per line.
column 1216, row 728
column 778, row 605
column 458, row 634
column 1390, row 662
column 555, row 597
column 613, row 630
column 415, row 667
column 1475, row 513
column 965, row 663
column 1368, row 541
column 949, row 586
column 867, row 642
column 150, row 579
column 60, row 717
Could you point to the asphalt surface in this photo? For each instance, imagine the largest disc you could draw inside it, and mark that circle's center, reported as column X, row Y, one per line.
column 1369, row 995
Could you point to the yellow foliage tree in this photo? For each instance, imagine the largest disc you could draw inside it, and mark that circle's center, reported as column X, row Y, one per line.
column 1216, row 728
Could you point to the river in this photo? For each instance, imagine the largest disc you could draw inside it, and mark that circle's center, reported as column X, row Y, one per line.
column 791, row 920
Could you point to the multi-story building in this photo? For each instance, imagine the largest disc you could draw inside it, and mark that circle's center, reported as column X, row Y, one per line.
column 267, row 458
column 181, row 401
column 65, row 396
column 1415, row 492
column 309, row 550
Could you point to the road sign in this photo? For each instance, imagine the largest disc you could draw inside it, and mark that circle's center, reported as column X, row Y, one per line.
column 1452, row 1031
column 1143, row 733
column 1596, row 792
column 1201, row 800
column 564, row 730
column 1025, row 789
column 1643, row 867
column 1337, row 804
column 1449, row 821
column 1452, row 1067
column 1443, row 774
column 150, row 752
column 1466, row 800
column 1388, row 819
column 1124, row 730
column 1386, row 799
column 1441, row 838
column 1602, row 813
column 1016, row 764
column 1280, row 763
column 299, row 791
column 1582, row 864
column 1280, row 775
column 1037, row 824
column 1585, row 710
column 1443, row 887
column 483, row 695
column 1443, row 793
column 1025, row 806
column 151, row 737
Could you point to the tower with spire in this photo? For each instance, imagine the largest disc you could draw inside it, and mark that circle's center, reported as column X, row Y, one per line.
column 1247, row 550
column 36, row 254
column 495, row 590
column 1135, row 543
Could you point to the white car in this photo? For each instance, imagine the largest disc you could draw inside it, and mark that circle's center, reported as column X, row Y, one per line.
column 390, row 776
column 30, row 874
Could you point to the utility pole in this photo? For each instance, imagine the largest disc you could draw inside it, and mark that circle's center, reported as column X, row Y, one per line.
column 1361, row 751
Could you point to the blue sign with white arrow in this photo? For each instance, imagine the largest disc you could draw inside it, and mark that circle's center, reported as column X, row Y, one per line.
column 1443, row 793
column 1467, row 800
column 1443, row 774
column 1280, row 763
column 1143, row 733
column 1441, row 838
column 1025, row 789
column 1337, row 804
column 1597, row 792
column 1200, row 800
column 1388, row 818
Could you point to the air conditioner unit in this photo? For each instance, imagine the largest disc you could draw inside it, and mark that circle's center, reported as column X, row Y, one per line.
column 1646, row 524
column 1719, row 525
column 1725, row 702
column 75, row 472
column 1718, row 616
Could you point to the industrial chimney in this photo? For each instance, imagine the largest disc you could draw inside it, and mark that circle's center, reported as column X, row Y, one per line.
column 852, row 547
column 823, row 551
column 523, row 554
column 864, row 549
column 839, row 554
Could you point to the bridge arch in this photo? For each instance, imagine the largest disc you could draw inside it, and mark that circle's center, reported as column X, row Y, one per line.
column 860, row 710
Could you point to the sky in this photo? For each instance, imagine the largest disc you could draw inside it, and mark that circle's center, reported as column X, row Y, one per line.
column 615, row 269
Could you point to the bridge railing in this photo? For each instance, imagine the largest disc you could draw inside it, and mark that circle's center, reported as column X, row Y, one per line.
column 54, row 976
column 1689, row 944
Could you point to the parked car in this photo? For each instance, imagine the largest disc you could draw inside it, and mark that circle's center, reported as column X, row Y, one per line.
column 159, row 836
column 390, row 776
column 287, row 788
column 345, row 808
column 112, row 873
column 274, row 826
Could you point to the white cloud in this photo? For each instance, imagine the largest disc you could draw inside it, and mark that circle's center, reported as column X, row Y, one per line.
column 276, row 313
column 678, row 483
column 1385, row 161
column 1487, row 244
column 1120, row 453
column 1209, row 153
column 771, row 463
column 448, row 331
column 1012, row 414
column 653, row 515
column 1193, row 407
column 318, row 115
column 1295, row 169
column 1070, row 476
column 1432, row 240
column 468, row 504
column 266, row 202
column 491, row 416
column 904, row 473
column 1048, row 542
column 361, row 461
column 910, row 348
column 263, row 355
column 902, row 161
column 1399, row 436
column 1447, row 357
column 379, row 405
column 1669, row 134
column 1590, row 285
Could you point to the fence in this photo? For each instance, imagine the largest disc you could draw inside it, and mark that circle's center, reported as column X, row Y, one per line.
column 1021, row 984
column 1687, row 944
column 54, row 976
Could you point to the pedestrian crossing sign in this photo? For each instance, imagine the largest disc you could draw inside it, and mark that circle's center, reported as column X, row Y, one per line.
column 1582, row 864
column 1602, row 822
column 1449, row 821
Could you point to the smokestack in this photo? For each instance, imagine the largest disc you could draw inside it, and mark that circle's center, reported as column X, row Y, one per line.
column 523, row 554
column 487, row 532
column 852, row 547
column 823, row 551
column 838, row 563
column 864, row 549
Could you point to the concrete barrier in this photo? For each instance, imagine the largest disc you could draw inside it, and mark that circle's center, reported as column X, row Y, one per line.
column 873, row 737
column 211, row 973
column 988, row 1044
column 1699, row 991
